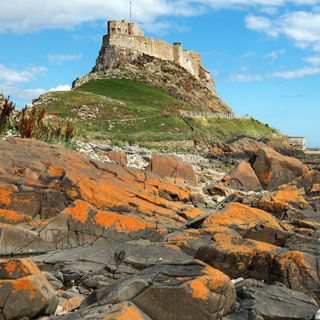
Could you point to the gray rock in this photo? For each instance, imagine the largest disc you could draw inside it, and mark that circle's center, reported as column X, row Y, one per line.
column 278, row 302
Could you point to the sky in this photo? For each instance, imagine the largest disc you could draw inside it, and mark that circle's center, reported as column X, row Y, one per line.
column 263, row 54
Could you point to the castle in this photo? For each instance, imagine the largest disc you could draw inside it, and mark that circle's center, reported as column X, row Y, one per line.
column 130, row 36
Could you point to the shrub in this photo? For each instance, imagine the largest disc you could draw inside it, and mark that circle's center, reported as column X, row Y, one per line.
column 35, row 124
column 6, row 113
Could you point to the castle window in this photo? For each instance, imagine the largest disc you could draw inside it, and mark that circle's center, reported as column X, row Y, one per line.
column 113, row 30
column 119, row 30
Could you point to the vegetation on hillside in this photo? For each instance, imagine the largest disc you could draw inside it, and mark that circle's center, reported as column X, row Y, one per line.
column 125, row 110
column 34, row 123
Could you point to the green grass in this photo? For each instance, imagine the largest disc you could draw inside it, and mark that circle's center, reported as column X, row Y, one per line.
column 225, row 129
column 126, row 110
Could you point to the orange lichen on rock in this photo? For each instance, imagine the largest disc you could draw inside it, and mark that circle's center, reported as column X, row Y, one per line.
column 25, row 285
column 80, row 211
column 241, row 215
column 213, row 281
column 288, row 195
column 55, row 171
column 12, row 265
column 121, row 311
column 5, row 196
column 199, row 288
column 122, row 223
column 9, row 216
column 264, row 176
column 294, row 257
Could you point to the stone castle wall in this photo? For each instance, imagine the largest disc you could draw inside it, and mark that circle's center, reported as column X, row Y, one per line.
column 161, row 49
column 130, row 36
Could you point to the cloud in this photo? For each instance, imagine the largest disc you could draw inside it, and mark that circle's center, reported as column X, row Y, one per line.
column 10, row 76
column 300, row 26
column 286, row 75
column 274, row 54
column 243, row 77
column 64, row 87
column 269, row 10
column 23, row 16
column 60, row 58
column 315, row 60
column 296, row 74
column 17, row 93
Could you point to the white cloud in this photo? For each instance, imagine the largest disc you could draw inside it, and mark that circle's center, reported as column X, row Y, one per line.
column 33, row 15
column 65, row 87
column 10, row 76
column 287, row 75
column 315, row 60
column 60, row 58
column 274, row 54
column 269, row 10
column 17, row 93
column 300, row 26
column 243, row 77
column 296, row 74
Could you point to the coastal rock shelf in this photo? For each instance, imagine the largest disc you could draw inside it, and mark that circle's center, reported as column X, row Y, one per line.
column 117, row 242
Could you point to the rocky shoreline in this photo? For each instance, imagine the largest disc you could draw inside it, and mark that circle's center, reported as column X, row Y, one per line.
column 106, row 233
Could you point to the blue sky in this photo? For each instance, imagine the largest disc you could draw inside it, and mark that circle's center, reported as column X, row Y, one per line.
column 263, row 54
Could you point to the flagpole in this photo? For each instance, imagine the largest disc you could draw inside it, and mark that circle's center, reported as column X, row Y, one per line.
column 130, row 12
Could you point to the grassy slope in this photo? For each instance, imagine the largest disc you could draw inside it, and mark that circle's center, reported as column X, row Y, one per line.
column 128, row 110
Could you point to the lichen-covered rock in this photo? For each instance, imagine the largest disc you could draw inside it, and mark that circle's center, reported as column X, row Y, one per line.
column 24, row 290
column 119, row 311
column 173, row 291
column 166, row 165
column 249, row 222
column 274, row 169
column 119, row 157
column 243, row 178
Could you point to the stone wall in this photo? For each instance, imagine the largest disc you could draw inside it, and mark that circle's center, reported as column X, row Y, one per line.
column 188, row 59
column 299, row 142
column 123, row 27
column 130, row 36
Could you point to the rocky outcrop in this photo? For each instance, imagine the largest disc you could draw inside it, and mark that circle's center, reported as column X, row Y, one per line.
column 121, row 63
column 273, row 169
column 166, row 165
column 24, row 291
column 116, row 241
column 207, row 293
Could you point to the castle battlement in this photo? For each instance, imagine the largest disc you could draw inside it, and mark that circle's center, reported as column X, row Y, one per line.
column 130, row 36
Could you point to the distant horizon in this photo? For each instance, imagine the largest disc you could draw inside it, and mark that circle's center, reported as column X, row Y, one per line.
column 265, row 59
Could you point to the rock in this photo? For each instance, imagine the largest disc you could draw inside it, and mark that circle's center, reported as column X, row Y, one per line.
column 24, row 291
column 274, row 169
column 119, row 157
column 121, row 311
column 278, row 302
column 173, row 291
column 243, row 178
column 249, row 222
column 166, row 165
column 72, row 303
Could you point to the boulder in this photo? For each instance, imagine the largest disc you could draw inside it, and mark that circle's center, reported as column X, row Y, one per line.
column 172, row 291
column 24, row 290
column 166, row 165
column 274, row 169
column 119, row 311
column 119, row 157
column 243, row 178
column 277, row 302
column 250, row 223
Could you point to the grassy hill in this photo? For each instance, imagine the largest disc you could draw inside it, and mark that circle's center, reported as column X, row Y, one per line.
column 120, row 109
